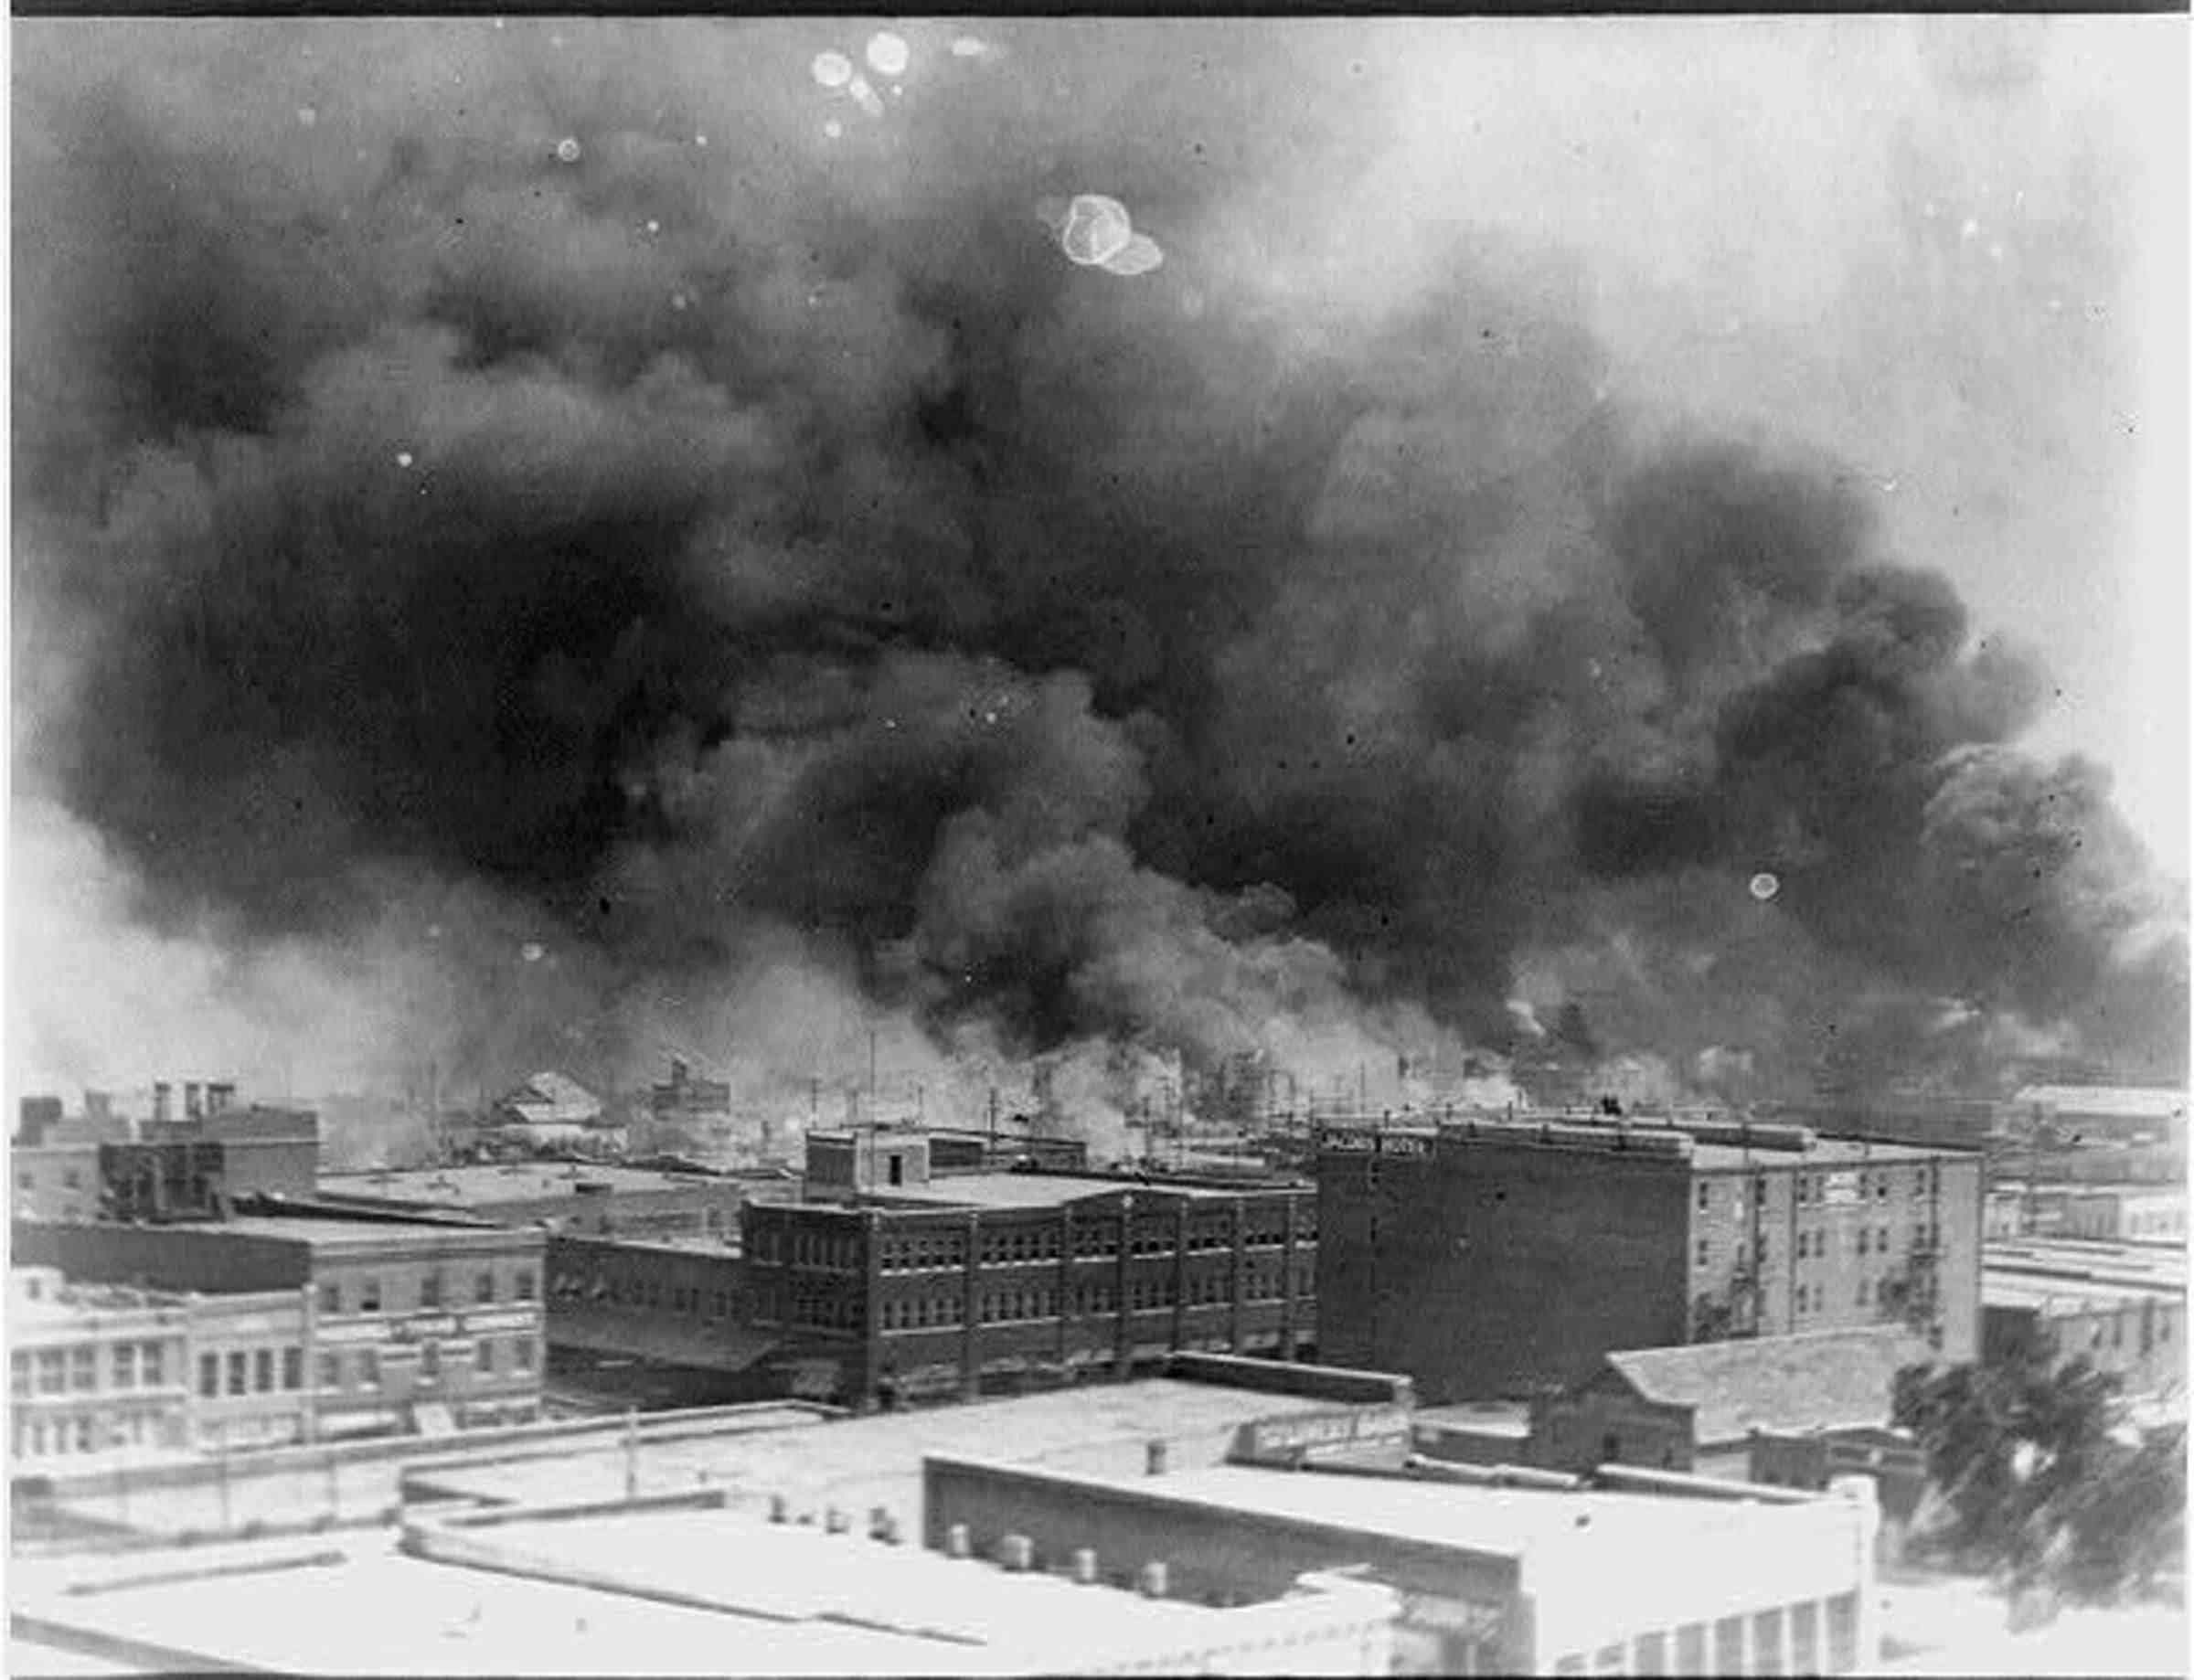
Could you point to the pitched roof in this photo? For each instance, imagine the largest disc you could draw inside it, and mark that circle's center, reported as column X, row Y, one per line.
column 1822, row 1379
column 549, row 1098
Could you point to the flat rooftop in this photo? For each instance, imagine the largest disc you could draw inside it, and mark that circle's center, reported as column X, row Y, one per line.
column 859, row 1463
column 690, row 1591
column 1486, row 1521
column 334, row 1232
column 1039, row 1189
column 2157, row 1265
column 529, row 1181
column 2019, row 1289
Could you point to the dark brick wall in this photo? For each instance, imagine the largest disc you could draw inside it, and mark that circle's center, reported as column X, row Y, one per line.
column 209, row 1258
column 1491, row 1269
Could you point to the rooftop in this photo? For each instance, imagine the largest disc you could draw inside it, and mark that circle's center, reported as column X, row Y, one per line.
column 2063, row 1296
column 1038, row 1189
column 1496, row 1521
column 664, row 1590
column 333, row 1233
column 2116, row 1101
column 1821, row 1379
column 859, row 1463
column 516, row 1181
column 2157, row 1265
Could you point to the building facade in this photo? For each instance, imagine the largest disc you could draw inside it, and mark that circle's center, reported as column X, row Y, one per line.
column 1498, row 1258
column 2120, row 1308
column 406, row 1327
column 983, row 1281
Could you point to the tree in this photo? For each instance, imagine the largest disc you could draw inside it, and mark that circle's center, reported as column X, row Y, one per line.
column 2030, row 1476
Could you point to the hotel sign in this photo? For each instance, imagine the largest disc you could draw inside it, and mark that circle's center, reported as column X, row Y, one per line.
column 1358, row 1142
column 1283, row 1439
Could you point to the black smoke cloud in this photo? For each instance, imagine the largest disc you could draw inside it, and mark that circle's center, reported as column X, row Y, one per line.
column 729, row 531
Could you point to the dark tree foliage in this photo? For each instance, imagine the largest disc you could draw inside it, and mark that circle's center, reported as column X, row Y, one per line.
column 2030, row 1477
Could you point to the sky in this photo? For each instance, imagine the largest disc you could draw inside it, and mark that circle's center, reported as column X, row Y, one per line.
column 1066, row 545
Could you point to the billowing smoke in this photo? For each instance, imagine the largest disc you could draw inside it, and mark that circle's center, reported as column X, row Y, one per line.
column 591, row 490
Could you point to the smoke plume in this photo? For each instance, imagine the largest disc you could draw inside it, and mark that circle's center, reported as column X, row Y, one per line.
column 492, row 489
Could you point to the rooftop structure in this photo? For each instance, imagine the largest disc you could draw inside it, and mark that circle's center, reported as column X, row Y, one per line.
column 2117, row 1102
column 566, row 1196
column 2121, row 1307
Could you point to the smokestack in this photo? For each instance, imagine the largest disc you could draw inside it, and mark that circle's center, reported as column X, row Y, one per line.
column 160, row 1102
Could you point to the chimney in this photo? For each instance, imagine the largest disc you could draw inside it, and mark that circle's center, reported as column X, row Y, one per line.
column 160, row 1096
column 193, row 1107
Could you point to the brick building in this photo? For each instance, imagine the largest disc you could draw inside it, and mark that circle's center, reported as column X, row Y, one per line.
column 884, row 1284
column 407, row 1325
column 1495, row 1259
column 101, row 1164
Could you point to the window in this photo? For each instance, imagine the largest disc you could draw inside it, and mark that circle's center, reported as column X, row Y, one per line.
column 1801, row 1297
column 430, row 1289
column 209, row 1375
column 370, row 1370
column 70, row 1179
column 1760, row 1192
column 25, row 1179
column 331, row 1297
column 1881, row 1189
column 331, row 1370
column 1862, row 1239
column 483, row 1288
column 487, row 1356
column 18, row 1373
column 240, row 1373
column 83, row 1369
column 1703, row 1193
column 369, row 1295
column 292, row 1369
column 262, row 1370
column 430, row 1362
column 125, row 1364
column 1702, row 1251
column 521, row 1354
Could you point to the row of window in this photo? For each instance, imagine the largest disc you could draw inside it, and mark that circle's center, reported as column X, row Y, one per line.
column 826, row 1252
column 362, row 1367
column 431, row 1292
column 1814, row 1244
column 1800, row 1640
column 1042, row 1302
column 130, row 1364
column 249, row 1371
column 1811, row 1189
column 36, row 1438
column 1870, row 1291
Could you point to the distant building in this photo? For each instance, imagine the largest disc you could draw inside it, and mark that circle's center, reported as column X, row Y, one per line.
column 2120, row 1307
column 1699, row 1407
column 550, row 1109
column 103, row 1165
column 1671, row 1576
column 2096, row 1114
column 408, row 1326
column 1500, row 1258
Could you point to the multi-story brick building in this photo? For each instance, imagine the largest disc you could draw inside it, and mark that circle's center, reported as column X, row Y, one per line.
column 407, row 1324
column 101, row 1164
column 906, row 1287
column 884, row 1284
column 1499, row 1257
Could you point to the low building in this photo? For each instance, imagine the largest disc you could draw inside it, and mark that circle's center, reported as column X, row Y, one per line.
column 1696, row 1408
column 2120, row 1307
column 409, row 1326
column 597, row 1200
column 1494, row 1579
column 2097, row 1114
column 664, row 1586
